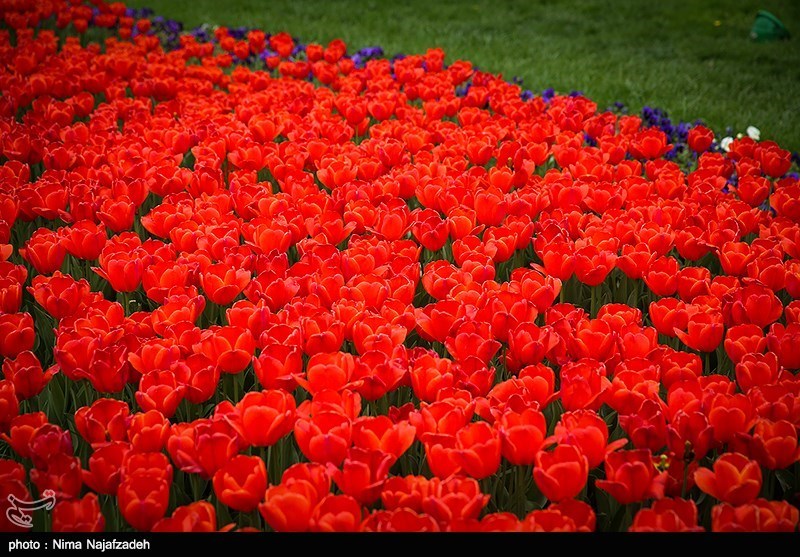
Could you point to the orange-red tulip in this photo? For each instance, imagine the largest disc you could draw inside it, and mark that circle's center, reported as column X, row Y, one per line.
column 735, row 479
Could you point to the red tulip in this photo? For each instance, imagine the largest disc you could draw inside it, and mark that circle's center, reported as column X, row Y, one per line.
column 9, row 404
column 669, row 315
column 44, row 251
column 592, row 265
column 741, row 340
column 222, row 283
column 593, row 338
column 579, row 512
column 454, row 498
column 399, row 520
column 649, row 144
column 105, row 467
column 667, row 515
column 331, row 371
column 700, row 138
column 522, row 435
column 143, row 500
column 774, row 444
column 123, row 271
column 22, row 430
column 203, row 446
column 25, row 372
column 230, row 348
column 61, row 473
column 689, row 434
column 774, row 160
column 562, row 473
column 240, row 484
column 324, row 437
column 631, row 477
column 756, row 369
column 735, row 479
column 781, row 340
column 583, row 384
column 84, row 239
column 380, row 433
column 200, row 377
column 363, row 473
column 159, row 390
column 60, row 295
column 105, row 420
column 728, row 415
column 10, row 294
column 79, row 515
column 194, row 517
column 445, row 416
column 589, row 432
column 528, row 344
column 263, row 418
column 148, row 431
column 278, row 366
column 18, row 489
column 752, row 304
column 478, row 450
column 647, row 428
column 16, row 334
column 289, row 508
column 12, row 471
column 336, row 513
column 758, row 516
column 406, row 492
column 47, row 441
column 441, row 454
column 704, row 331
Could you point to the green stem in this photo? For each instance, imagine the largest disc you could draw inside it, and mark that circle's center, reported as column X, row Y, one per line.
column 266, row 453
column 521, row 495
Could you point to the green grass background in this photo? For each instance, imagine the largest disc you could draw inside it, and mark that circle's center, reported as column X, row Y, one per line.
column 692, row 58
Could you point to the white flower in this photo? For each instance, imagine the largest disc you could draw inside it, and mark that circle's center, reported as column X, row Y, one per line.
column 725, row 143
column 753, row 133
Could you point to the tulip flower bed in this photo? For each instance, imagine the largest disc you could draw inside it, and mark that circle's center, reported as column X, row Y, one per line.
column 247, row 285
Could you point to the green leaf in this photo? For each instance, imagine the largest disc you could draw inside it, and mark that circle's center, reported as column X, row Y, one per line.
column 56, row 397
column 786, row 479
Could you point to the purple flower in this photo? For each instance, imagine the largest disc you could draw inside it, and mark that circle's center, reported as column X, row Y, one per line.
column 201, row 34
column 267, row 54
column 372, row 51
column 462, row 91
column 238, row 33
column 173, row 26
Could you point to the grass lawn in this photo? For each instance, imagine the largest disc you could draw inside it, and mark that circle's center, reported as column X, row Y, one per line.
column 693, row 59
